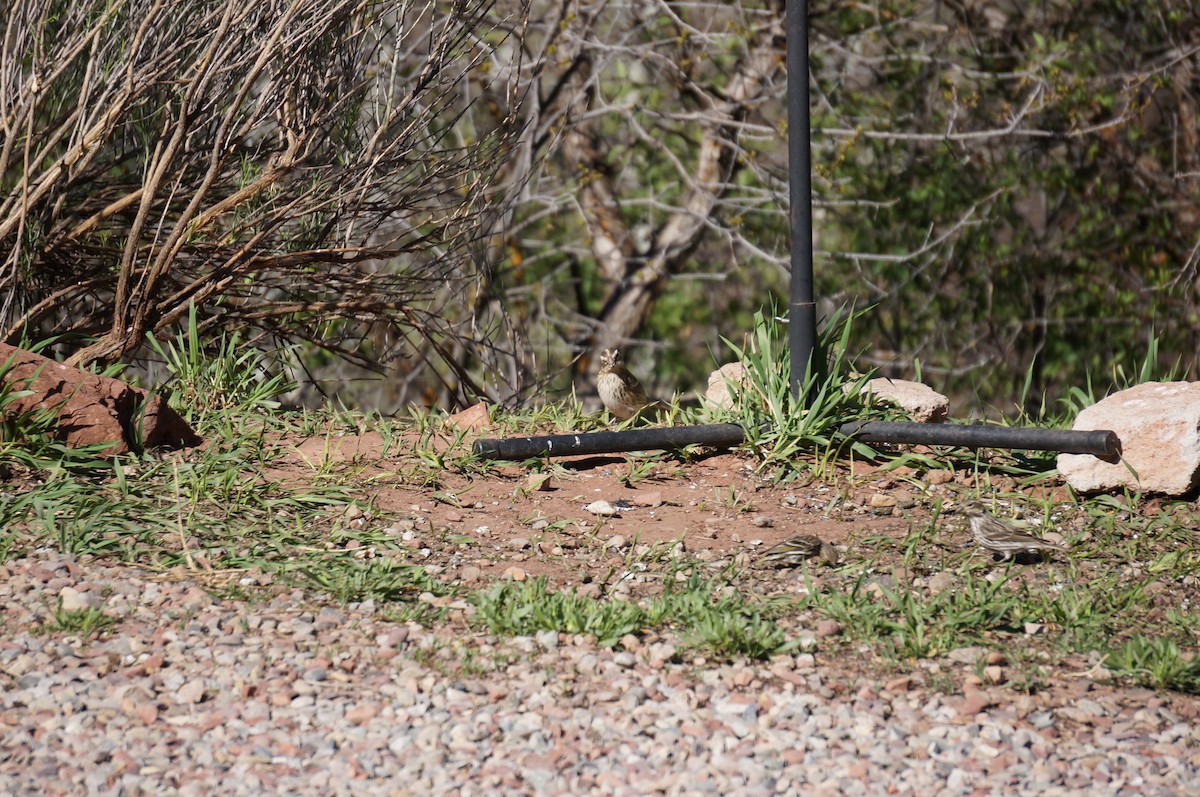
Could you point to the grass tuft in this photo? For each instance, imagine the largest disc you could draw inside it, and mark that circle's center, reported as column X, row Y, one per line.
column 527, row 607
column 783, row 428
column 726, row 626
column 231, row 383
column 1156, row 662
column 82, row 622
column 349, row 580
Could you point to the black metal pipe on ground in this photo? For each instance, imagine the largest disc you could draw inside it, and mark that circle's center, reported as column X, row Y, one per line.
column 802, row 309
column 1102, row 443
column 563, row 445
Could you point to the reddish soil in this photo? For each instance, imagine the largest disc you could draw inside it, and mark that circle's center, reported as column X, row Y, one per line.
column 525, row 524
column 713, row 504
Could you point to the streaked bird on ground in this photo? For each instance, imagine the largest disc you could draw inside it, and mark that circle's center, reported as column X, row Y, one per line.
column 795, row 551
column 997, row 535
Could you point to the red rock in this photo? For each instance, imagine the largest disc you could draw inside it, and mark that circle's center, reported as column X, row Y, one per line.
column 123, row 761
column 973, row 703
column 651, row 498
column 539, row 482
column 856, row 771
column 91, row 409
column 742, row 678
column 793, row 756
column 282, row 698
column 828, row 628
column 362, row 713
column 147, row 713
column 472, row 419
column 286, row 748
column 211, row 719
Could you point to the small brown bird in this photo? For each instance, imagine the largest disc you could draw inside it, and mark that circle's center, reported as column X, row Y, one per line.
column 792, row 552
column 996, row 535
column 620, row 391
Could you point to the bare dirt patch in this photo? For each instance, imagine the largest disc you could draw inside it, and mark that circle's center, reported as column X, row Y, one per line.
column 715, row 506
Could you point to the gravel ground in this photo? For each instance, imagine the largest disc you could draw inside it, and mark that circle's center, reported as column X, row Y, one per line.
column 189, row 695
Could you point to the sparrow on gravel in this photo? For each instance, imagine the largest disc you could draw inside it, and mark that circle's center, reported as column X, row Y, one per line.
column 620, row 391
column 792, row 552
column 995, row 534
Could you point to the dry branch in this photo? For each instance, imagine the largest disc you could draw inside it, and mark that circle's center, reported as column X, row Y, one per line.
column 246, row 157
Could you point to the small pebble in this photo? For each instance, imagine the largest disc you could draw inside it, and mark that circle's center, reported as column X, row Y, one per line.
column 72, row 600
column 602, row 508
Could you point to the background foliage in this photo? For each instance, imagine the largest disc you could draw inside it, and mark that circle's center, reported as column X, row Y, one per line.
column 1013, row 186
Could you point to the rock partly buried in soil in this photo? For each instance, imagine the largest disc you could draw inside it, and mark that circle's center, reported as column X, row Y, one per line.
column 472, row 419
column 90, row 409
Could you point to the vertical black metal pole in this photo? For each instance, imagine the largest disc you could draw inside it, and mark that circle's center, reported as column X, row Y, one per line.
column 802, row 310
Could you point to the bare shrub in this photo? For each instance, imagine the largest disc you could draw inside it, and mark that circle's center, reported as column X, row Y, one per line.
column 301, row 169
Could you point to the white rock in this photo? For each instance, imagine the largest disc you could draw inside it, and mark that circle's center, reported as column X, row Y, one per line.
column 1159, row 427
column 921, row 402
column 190, row 692
column 718, row 394
column 72, row 600
column 601, row 508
